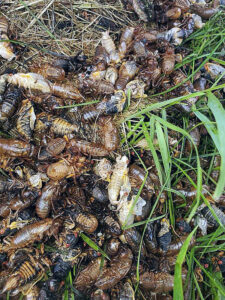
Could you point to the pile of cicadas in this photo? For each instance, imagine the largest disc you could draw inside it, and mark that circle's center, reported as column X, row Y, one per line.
column 65, row 181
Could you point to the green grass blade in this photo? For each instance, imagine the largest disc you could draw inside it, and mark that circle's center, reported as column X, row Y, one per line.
column 219, row 114
column 170, row 102
column 217, row 134
column 21, row 297
column 152, row 126
column 143, row 233
column 158, row 105
column 154, row 154
column 5, row 135
column 197, row 200
column 210, row 126
column 163, row 149
column 198, row 287
column 144, row 222
column 199, row 170
column 74, row 270
column 217, row 45
column 92, row 244
column 213, row 279
column 39, row 22
column 178, row 286
column 132, row 131
column 69, row 281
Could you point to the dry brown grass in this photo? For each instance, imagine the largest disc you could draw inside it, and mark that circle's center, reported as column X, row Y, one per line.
column 64, row 27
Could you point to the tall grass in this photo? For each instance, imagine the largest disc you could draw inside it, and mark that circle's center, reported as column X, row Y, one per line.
column 206, row 44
